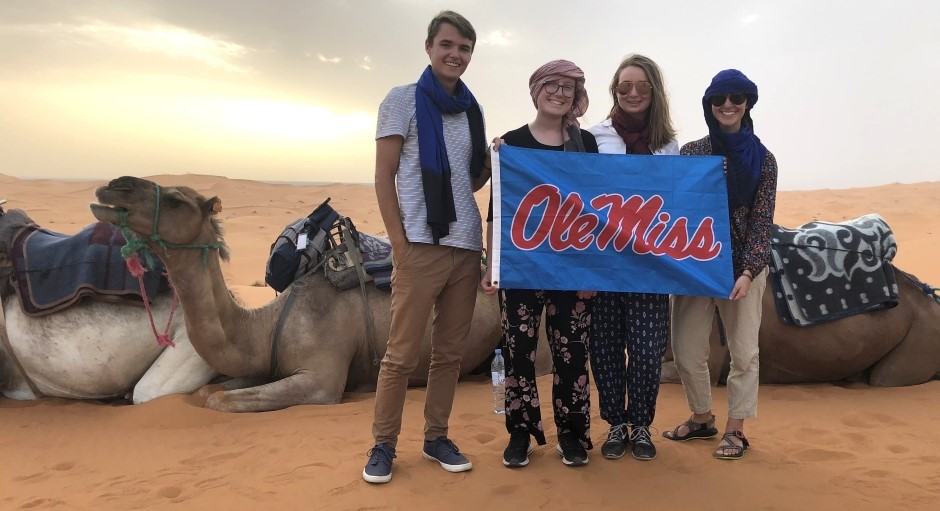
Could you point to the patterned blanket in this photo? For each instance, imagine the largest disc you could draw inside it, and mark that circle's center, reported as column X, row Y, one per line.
column 825, row 271
column 53, row 271
column 377, row 259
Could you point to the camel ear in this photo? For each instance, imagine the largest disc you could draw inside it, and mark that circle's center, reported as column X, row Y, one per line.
column 213, row 205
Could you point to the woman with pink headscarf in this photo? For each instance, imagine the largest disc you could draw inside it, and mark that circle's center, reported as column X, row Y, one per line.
column 557, row 90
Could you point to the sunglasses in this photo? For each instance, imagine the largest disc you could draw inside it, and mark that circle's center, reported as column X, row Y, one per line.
column 642, row 88
column 736, row 98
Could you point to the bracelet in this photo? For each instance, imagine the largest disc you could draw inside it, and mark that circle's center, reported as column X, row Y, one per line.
column 747, row 273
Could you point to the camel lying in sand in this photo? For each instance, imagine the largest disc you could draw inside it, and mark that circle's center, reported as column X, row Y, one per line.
column 91, row 350
column 886, row 348
column 323, row 348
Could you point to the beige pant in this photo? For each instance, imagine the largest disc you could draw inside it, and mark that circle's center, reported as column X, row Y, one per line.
column 692, row 318
column 427, row 278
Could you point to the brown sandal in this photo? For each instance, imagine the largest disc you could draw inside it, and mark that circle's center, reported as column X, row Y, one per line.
column 728, row 450
column 696, row 430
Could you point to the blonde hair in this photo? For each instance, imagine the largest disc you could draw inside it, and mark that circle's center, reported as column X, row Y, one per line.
column 661, row 130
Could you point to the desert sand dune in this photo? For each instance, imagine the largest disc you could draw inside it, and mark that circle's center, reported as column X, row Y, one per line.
column 828, row 447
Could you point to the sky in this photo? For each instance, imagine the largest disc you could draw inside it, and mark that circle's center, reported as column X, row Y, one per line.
column 288, row 90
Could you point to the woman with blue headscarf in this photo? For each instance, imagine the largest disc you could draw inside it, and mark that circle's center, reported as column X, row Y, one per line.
column 752, row 188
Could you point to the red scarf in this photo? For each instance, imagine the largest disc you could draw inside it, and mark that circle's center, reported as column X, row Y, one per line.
column 634, row 132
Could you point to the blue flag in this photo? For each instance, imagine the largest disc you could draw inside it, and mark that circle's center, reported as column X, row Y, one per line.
column 611, row 222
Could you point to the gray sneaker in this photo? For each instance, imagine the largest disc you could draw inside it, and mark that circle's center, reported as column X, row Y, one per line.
column 379, row 467
column 445, row 452
column 616, row 444
column 643, row 448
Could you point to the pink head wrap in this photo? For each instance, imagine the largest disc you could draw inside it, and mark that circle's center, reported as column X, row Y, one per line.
column 555, row 70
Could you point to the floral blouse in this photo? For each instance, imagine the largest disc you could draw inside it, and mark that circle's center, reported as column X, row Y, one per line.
column 750, row 225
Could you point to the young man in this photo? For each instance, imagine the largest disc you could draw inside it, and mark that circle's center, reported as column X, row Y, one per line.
column 430, row 158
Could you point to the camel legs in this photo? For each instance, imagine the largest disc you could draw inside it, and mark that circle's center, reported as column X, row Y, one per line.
column 176, row 370
column 297, row 389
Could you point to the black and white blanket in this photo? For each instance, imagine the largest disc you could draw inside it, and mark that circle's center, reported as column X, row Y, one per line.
column 824, row 271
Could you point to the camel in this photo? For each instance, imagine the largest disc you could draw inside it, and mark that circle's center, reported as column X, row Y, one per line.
column 91, row 350
column 323, row 347
column 885, row 348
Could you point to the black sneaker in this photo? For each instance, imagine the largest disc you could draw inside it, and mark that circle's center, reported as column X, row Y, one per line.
column 518, row 451
column 643, row 448
column 379, row 467
column 616, row 444
column 571, row 450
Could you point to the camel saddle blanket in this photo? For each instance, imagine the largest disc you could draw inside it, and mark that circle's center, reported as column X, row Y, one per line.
column 377, row 259
column 825, row 271
column 52, row 271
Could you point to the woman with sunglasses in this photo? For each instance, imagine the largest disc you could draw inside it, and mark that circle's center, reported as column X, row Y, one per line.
column 638, row 123
column 752, row 189
column 558, row 93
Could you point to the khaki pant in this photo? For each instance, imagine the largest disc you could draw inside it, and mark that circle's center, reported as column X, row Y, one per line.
column 426, row 278
column 692, row 318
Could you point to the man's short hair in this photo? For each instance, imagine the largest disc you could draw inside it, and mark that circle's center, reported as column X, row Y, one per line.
column 459, row 22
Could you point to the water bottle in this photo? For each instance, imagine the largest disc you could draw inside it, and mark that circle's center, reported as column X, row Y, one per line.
column 498, row 370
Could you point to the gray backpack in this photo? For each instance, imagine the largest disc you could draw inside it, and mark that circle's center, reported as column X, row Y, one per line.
column 300, row 247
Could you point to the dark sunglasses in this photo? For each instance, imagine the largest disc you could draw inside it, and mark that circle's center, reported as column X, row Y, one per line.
column 736, row 98
column 642, row 88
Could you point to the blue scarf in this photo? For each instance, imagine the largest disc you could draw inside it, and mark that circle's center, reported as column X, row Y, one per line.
column 431, row 100
column 744, row 150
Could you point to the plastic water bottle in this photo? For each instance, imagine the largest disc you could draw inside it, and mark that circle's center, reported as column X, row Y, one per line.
column 498, row 370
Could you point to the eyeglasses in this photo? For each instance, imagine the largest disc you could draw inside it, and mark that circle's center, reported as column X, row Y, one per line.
column 552, row 88
column 642, row 88
column 736, row 98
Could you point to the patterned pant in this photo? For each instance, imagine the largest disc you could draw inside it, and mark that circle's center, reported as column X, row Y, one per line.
column 568, row 326
column 639, row 323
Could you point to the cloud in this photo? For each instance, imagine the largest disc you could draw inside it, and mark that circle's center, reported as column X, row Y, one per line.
column 498, row 38
column 366, row 63
column 329, row 60
column 750, row 18
column 155, row 38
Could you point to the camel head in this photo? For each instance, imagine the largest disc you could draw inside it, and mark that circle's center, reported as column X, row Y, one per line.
column 182, row 215
column 11, row 222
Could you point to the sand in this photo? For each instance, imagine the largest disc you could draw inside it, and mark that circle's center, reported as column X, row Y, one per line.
column 839, row 446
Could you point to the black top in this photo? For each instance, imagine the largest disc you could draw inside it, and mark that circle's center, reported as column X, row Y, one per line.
column 522, row 137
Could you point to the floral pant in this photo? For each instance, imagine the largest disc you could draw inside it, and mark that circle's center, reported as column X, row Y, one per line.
column 639, row 323
column 567, row 328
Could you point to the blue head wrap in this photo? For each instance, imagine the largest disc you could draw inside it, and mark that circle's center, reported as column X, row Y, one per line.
column 744, row 150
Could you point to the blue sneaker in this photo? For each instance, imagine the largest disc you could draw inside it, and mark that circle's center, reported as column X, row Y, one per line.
column 447, row 454
column 379, row 467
